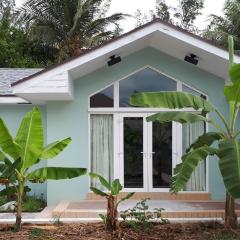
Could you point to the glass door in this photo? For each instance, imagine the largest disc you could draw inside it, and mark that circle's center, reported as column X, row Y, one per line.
column 133, row 146
column 146, row 153
column 160, row 155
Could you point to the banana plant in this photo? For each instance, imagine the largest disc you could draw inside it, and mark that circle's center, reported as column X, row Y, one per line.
column 224, row 142
column 114, row 188
column 19, row 157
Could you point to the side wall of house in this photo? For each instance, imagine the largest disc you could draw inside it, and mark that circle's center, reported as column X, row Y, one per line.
column 12, row 115
column 71, row 118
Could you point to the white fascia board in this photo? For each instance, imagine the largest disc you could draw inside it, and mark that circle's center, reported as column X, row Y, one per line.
column 12, row 100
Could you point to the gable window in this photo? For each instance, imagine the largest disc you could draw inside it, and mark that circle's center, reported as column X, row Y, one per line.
column 117, row 95
column 146, row 80
column 103, row 99
column 192, row 91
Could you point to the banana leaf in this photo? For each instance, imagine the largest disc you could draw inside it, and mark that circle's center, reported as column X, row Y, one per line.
column 7, row 143
column 207, row 139
column 184, row 170
column 234, row 73
column 55, row 173
column 30, row 137
column 229, row 164
column 102, row 180
column 181, row 117
column 53, row 149
column 99, row 192
column 171, row 100
column 116, row 187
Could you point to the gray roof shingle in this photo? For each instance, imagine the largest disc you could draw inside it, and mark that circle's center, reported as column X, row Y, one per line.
column 11, row 75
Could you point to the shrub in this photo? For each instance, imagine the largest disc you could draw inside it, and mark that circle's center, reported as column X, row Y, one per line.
column 139, row 217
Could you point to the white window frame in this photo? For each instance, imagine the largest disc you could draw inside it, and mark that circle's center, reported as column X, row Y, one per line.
column 116, row 110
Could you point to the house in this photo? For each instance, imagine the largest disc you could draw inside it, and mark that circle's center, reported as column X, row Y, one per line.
column 87, row 98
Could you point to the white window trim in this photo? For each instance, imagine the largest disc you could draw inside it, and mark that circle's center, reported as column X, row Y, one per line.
column 116, row 110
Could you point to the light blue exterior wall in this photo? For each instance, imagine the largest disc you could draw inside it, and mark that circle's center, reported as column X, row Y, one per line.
column 71, row 118
column 13, row 115
column 64, row 119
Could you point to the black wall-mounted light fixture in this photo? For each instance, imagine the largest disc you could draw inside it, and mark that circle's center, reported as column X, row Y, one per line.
column 192, row 58
column 114, row 60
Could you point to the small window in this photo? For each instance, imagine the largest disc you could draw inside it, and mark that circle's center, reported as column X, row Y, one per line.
column 146, row 80
column 103, row 98
column 192, row 91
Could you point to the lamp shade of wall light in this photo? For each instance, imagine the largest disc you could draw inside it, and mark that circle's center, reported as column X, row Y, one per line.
column 114, row 60
column 192, row 58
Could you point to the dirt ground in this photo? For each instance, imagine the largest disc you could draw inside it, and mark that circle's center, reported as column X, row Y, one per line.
column 96, row 231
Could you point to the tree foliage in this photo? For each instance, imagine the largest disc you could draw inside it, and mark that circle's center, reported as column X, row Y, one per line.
column 228, row 23
column 182, row 15
column 44, row 32
column 16, row 47
column 71, row 25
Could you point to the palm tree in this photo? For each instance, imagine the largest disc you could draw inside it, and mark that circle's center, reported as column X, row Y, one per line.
column 229, row 23
column 71, row 25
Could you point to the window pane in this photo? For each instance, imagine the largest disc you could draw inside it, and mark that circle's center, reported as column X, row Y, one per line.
column 192, row 91
column 146, row 80
column 103, row 98
column 162, row 154
column 133, row 148
column 101, row 146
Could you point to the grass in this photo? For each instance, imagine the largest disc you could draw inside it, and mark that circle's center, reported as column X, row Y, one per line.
column 3, row 200
column 31, row 203
column 226, row 236
column 36, row 232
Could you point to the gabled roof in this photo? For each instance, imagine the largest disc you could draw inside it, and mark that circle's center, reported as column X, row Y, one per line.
column 55, row 83
column 9, row 76
column 120, row 37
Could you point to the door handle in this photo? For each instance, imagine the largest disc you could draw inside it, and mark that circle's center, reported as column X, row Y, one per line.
column 148, row 152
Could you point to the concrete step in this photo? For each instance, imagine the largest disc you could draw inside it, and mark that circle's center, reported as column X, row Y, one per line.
column 173, row 209
column 200, row 196
column 80, row 209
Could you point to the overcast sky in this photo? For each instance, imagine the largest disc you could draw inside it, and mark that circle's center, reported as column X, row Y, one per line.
column 130, row 6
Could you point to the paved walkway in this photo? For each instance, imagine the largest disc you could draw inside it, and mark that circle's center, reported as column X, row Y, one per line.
column 46, row 214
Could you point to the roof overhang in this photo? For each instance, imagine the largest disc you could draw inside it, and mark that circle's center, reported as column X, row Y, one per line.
column 55, row 83
column 11, row 99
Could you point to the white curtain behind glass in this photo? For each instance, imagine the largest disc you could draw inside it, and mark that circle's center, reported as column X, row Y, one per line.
column 102, row 146
column 198, row 179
